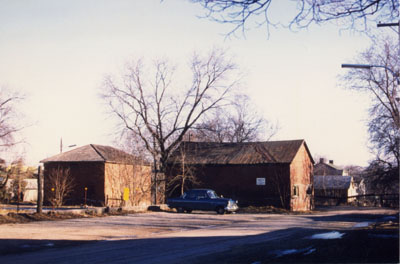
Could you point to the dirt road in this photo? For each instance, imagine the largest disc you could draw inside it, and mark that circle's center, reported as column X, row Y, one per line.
column 162, row 237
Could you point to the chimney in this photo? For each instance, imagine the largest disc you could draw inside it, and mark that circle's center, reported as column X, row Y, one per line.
column 331, row 162
column 321, row 160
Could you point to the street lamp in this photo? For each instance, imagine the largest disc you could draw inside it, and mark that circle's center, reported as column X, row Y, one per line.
column 368, row 67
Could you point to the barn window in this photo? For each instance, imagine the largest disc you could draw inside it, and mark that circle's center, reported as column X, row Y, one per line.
column 295, row 190
column 309, row 189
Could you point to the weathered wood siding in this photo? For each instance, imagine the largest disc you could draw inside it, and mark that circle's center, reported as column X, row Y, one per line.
column 239, row 182
column 301, row 175
column 83, row 174
column 135, row 177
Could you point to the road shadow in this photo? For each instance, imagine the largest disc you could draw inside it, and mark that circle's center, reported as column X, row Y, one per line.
column 293, row 245
column 355, row 217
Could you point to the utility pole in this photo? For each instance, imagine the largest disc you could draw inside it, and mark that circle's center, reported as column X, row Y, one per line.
column 392, row 25
column 40, row 193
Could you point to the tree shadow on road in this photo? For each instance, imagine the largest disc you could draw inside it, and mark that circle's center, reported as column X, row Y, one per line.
column 293, row 245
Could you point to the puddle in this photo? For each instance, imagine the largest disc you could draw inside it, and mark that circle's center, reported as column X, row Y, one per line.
column 362, row 224
column 329, row 235
column 383, row 236
column 387, row 218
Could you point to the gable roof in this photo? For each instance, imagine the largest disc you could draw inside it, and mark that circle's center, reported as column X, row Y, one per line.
column 330, row 165
column 213, row 153
column 92, row 153
column 332, row 182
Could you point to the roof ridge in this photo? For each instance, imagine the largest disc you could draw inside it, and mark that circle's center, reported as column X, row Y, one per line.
column 244, row 143
column 97, row 151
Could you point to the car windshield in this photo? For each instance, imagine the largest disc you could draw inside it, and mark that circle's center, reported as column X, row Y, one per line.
column 212, row 194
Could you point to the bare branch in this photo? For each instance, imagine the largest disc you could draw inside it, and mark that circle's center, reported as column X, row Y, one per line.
column 151, row 107
column 354, row 14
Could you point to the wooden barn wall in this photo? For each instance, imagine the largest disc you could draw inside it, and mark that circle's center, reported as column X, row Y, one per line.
column 239, row 182
column 136, row 178
column 301, row 175
column 84, row 174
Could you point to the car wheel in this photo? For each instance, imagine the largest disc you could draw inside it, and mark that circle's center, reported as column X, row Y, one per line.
column 220, row 210
column 179, row 210
column 188, row 211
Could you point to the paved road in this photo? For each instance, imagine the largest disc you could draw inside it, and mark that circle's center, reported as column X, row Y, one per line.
column 165, row 237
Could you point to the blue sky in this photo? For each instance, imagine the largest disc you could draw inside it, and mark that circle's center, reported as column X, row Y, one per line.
column 57, row 53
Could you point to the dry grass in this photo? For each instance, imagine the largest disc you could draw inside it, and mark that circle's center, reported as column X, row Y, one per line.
column 269, row 210
column 20, row 218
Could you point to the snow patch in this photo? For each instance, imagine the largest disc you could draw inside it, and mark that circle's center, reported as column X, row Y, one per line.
column 305, row 251
column 280, row 253
column 329, row 235
column 312, row 250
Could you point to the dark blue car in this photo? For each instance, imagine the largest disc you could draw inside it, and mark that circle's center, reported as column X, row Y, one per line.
column 202, row 199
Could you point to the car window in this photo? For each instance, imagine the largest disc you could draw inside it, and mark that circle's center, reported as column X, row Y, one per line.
column 190, row 195
column 201, row 194
column 212, row 194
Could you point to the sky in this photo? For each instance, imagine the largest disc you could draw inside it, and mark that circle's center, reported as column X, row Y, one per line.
column 57, row 53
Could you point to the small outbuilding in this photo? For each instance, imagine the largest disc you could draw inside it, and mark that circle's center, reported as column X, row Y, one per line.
column 278, row 173
column 323, row 168
column 100, row 175
column 334, row 189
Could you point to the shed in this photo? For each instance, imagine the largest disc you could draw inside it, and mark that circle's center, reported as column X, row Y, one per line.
column 323, row 168
column 101, row 175
column 335, row 187
column 275, row 173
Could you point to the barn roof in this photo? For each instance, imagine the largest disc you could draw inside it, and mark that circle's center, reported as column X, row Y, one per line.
column 332, row 182
column 238, row 153
column 92, row 153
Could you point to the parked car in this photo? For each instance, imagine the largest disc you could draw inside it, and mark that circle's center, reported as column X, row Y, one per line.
column 202, row 199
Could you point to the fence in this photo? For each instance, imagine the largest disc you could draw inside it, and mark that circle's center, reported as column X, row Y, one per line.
column 381, row 200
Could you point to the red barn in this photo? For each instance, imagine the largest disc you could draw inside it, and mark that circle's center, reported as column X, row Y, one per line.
column 278, row 173
column 110, row 176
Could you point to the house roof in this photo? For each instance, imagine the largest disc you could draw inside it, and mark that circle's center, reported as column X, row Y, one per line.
column 92, row 153
column 332, row 182
column 213, row 153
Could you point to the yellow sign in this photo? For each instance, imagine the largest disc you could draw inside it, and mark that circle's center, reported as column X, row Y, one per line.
column 126, row 194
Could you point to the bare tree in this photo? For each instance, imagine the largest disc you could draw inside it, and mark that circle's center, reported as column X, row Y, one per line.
column 281, row 187
column 133, row 144
column 239, row 123
column 353, row 13
column 18, row 184
column 186, row 173
column 3, row 173
column 384, row 119
column 60, row 185
column 8, row 118
column 151, row 106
